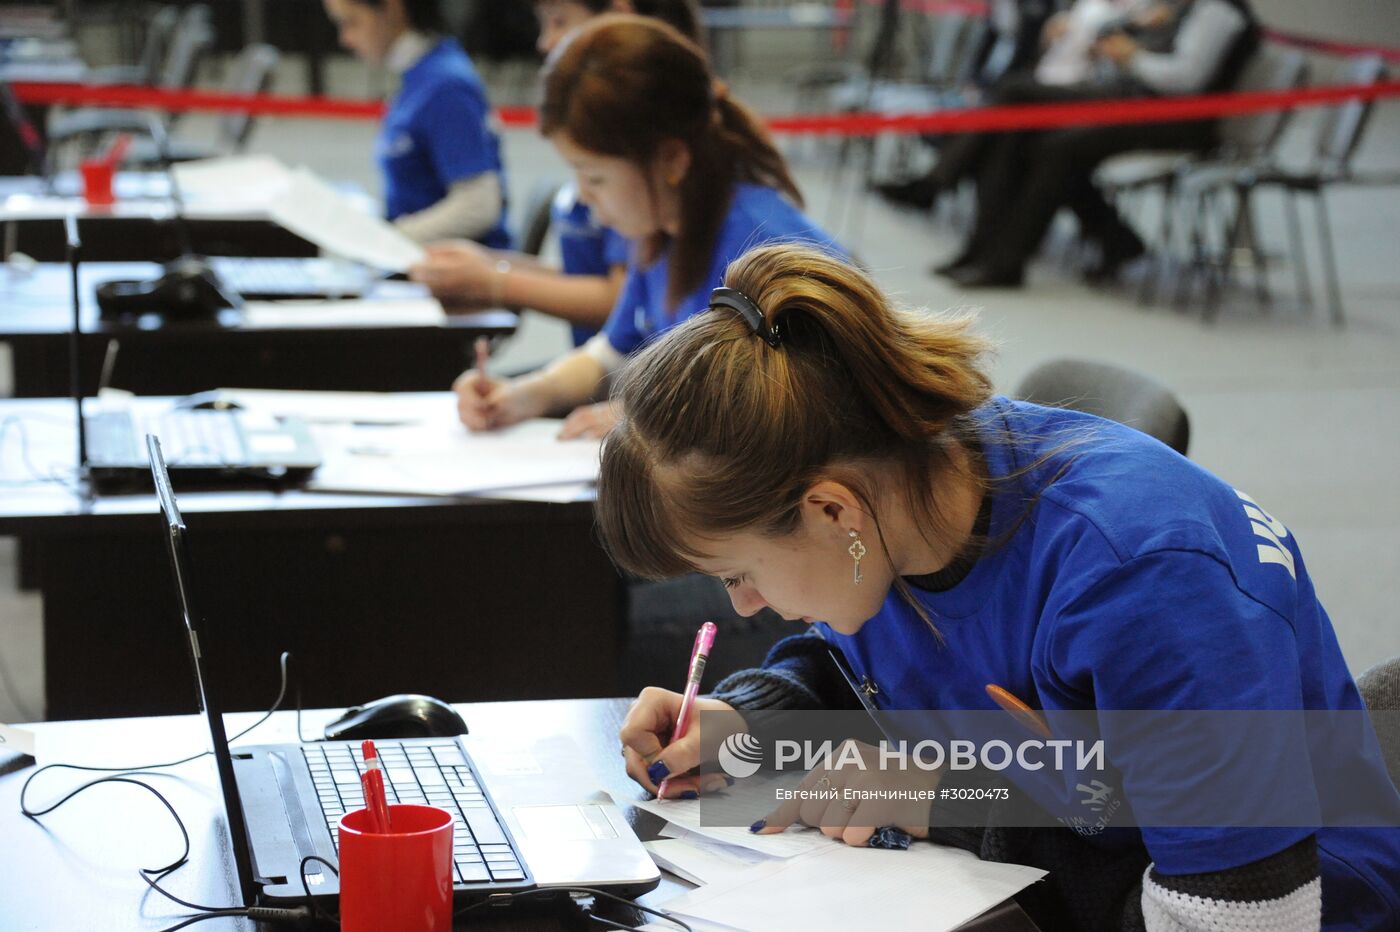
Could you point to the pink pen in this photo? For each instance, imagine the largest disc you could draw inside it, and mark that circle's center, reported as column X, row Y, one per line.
column 704, row 640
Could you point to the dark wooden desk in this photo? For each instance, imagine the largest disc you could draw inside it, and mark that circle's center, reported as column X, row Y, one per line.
column 174, row 359
column 76, row 869
column 467, row 598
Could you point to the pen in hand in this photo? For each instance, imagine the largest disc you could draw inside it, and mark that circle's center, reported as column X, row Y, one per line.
column 704, row 641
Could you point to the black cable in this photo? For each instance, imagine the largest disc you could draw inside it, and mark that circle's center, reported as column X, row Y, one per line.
column 504, row 899
column 138, row 768
column 316, row 909
column 153, row 875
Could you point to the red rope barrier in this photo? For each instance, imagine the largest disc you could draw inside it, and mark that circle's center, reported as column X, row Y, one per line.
column 981, row 119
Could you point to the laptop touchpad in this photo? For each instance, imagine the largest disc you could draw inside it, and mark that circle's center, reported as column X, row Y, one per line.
column 564, row 823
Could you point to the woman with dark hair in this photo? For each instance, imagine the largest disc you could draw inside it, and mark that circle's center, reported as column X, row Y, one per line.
column 440, row 158
column 960, row 556
column 663, row 155
column 594, row 258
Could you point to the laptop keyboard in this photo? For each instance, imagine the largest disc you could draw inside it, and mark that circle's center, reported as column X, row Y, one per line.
column 424, row 774
column 187, row 438
column 281, row 276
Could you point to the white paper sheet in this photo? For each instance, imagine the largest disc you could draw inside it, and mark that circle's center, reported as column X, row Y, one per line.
column 16, row 740
column 928, row 887
column 315, row 211
column 443, row 458
column 357, row 313
column 246, row 179
column 700, row 861
column 686, row 814
column 382, row 408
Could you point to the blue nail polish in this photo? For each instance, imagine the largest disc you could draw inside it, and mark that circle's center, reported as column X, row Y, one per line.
column 757, row 826
column 658, row 771
column 728, row 780
column 891, row 838
column 690, row 794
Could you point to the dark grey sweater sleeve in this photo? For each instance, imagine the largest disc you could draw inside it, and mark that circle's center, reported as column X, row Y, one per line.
column 798, row 673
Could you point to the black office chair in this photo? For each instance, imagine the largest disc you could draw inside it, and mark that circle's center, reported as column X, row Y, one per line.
column 1111, row 392
column 536, row 219
column 1380, row 690
column 85, row 127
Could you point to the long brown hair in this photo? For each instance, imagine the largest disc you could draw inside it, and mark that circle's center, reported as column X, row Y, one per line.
column 723, row 433
column 621, row 86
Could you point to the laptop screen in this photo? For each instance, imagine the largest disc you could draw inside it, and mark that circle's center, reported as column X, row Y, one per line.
column 178, row 549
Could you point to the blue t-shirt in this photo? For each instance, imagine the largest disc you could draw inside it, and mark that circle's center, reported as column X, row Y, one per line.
column 436, row 132
column 1139, row 581
column 757, row 216
column 586, row 247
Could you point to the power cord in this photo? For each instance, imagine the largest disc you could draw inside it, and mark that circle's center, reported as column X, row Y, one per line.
column 153, row 875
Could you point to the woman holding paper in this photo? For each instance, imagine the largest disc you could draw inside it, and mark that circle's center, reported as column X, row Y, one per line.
column 846, row 463
column 593, row 257
column 663, row 155
column 440, row 157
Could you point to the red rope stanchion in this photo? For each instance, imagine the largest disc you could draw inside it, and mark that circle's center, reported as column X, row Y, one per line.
column 982, row 119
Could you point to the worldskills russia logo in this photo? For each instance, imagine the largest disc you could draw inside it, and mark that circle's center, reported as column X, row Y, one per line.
column 740, row 755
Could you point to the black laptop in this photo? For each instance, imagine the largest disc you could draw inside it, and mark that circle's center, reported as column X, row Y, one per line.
column 526, row 828
column 205, row 447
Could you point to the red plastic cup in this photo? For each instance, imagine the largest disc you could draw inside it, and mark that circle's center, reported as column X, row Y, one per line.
column 97, row 180
column 398, row 882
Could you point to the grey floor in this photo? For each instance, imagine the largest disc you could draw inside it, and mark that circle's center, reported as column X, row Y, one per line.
column 1302, row 416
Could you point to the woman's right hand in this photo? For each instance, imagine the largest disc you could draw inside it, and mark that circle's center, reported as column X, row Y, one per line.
column 651, row 760
column 485, row 403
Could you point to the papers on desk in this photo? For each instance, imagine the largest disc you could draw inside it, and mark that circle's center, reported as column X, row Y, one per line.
column 16, row 740
column 368, row 408
column 373, row 312
column 444, row 458
column 315, row 211
column 802, row 879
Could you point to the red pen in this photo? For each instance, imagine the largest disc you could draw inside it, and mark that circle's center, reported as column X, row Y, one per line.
column 704, row 641
column 373, row 782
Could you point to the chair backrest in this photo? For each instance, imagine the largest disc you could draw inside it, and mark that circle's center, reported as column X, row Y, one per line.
column 1272, row 68
column 158, row 33
column 536, row 218
column 193, row 36
column 1380, row 690
column 1339, row 131
column 948, row 29
column 1111, row 392
column 253, row 73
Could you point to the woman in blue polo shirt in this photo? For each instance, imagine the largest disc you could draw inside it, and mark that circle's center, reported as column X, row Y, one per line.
column 593, row 257
column 666, row 158
column 846, row 463
column 440, row 157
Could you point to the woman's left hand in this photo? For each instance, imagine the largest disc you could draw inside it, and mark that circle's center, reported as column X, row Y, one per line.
column 457, row 269
column 589, row 421
column 850, row 803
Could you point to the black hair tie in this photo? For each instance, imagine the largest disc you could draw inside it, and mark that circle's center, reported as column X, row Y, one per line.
column 738, row 301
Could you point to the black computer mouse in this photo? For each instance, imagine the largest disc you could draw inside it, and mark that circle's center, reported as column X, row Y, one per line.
column 401, row 716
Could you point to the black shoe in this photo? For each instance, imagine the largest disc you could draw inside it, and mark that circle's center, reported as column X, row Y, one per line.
column 983, row 276
column 1117, row 252
column 920, row 192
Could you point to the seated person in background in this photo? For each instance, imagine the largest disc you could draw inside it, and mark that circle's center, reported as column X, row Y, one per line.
column 594, row 258
column 856, row 471
column 1064, row 71
column 440, row 158
column 666, row 158
column 1024, row 178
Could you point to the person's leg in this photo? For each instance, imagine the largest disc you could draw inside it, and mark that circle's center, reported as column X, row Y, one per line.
column 1060, row 166
column 998, row 178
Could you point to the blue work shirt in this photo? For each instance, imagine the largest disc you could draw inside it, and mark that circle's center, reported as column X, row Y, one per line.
column 1138, row 581
column 586, row 247
column 757, row 216
column 436, row 132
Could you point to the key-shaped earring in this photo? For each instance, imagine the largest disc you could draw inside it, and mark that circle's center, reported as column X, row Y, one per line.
column 856, row 550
